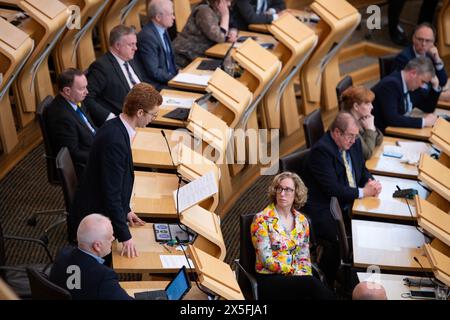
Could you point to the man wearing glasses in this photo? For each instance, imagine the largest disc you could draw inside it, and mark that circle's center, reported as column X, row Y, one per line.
column 108, row 179
column 423, row 41
column 336, row 168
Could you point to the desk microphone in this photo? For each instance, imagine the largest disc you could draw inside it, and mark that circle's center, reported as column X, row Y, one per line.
column 431, row 279
column 208, row 293
column 171, row 158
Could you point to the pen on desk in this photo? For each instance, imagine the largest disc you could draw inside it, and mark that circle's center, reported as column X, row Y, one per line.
column 165, row 247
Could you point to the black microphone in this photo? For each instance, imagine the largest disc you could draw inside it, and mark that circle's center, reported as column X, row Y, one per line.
column 432, row 279
column 171, row 158
column 208, row 293
column 416, row 225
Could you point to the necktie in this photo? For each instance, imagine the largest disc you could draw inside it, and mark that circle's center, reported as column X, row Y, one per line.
column 170, row 58
column 348, row 170
column 84, row 118
column 407, row 101
column 130, row 77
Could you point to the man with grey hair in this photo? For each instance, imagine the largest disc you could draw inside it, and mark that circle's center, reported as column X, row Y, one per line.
column 155, row 51
column 111, row 76
column 81, row 270
column 394, row 100
column 368, row 290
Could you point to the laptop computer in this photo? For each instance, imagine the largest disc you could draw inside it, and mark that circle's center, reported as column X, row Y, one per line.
column 182, row 114
column 213, row 64
column 175, row 290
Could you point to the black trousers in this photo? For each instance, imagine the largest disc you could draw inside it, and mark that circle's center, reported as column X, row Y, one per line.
column 282, row 287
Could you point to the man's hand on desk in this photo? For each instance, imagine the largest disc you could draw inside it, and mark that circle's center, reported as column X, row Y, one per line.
column 134, row 220
column 129, row 249
column 372, row 188
column 232, row 35
column 429, row 120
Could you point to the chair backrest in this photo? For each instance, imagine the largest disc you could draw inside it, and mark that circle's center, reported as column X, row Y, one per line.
column 43, row 289
column 344, row 246
column 386, row 64
column 313, row 127
column 52, row 173
column 247, row 255
column 2, row 249
column 69, row 179
column 345, row 83
column 295, row 162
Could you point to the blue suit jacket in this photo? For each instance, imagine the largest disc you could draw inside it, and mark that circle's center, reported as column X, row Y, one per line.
column 98, row 282
column 153, row 57
column 108, row 180
column 389, row 106
column 326, row 177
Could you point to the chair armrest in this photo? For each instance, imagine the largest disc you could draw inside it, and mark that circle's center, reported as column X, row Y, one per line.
column 251, row 278
column 319, row 272
column 32, row 240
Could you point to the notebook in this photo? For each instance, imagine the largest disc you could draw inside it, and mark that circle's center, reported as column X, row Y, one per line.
column 175, row 290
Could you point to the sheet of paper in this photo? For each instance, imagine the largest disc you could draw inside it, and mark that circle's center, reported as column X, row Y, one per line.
column 414, row 147
column 174, row 261
column 178, row 102
column 196, row 191
column 190, row 78
column 380, row 238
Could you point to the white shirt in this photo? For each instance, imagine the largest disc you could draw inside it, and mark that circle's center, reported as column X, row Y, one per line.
column 125, row 73
column 131, row 132
column 405, row 91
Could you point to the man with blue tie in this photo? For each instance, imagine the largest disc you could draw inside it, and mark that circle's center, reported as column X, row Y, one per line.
column 154, row 47
column 396, row 96
column 67, row 121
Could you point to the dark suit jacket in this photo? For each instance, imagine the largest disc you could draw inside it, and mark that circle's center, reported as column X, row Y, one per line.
column 326, row 177
column 244, row 13
column 66, row 129
column 402, row 59
column 153, row 57
column 107, row 87
column 389, row 105
column 98, row 282
column 108, row 180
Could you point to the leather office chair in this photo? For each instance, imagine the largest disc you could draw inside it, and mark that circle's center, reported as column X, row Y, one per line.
column 43, row 289
column 342, row 85
column 50, row 158
column 15, row 275
column 386, row 64
column 313, row 127
column 66, row 169
column 294, row 162
column 345, row 268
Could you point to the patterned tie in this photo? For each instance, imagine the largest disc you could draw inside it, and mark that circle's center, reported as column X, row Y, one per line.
column 170, row 58
column 348, row 170
column 130, row 77
column 407, row 101
column 84, row 118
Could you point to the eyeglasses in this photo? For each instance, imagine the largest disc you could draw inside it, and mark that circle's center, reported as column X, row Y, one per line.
column 286, row 190
column 424, row 40
column 154, row 115
column 349, row 136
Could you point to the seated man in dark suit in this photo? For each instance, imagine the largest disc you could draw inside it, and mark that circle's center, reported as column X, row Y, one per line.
column 67, row 120
column 336, row 168
column 111, row 76
column 423, row 46
column 245, row 12
column 81, row 270
column 155, row 51
column 395, row 96
column 108, row 180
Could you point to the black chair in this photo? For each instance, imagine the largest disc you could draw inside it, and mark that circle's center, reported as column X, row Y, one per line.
column 50, row 158
column 43, row 289
column 345, row 83
column 66, row 169
column 345, row 251
column 313, row 127
column 294, row 162
column 386, row 64
column 15, row 276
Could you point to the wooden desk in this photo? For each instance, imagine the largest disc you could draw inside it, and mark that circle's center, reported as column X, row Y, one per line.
column 389, row 246
column 132, row 287
column 149, row 251
column 302, row 15
column 380, row 164
column 191, row 68
column 393, row 284
column 413, row 133
column 220, row 49
column 386, row 206
column 166, row 108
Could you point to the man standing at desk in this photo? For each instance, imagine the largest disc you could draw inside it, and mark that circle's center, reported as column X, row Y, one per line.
column 112, row 75
column 108, row 181
column 155, row 50
column 423, row 46
column 336, row 168
column 394, row 99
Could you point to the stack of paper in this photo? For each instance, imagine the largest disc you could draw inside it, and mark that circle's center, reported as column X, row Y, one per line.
column 178, row 102
column 190, row 78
